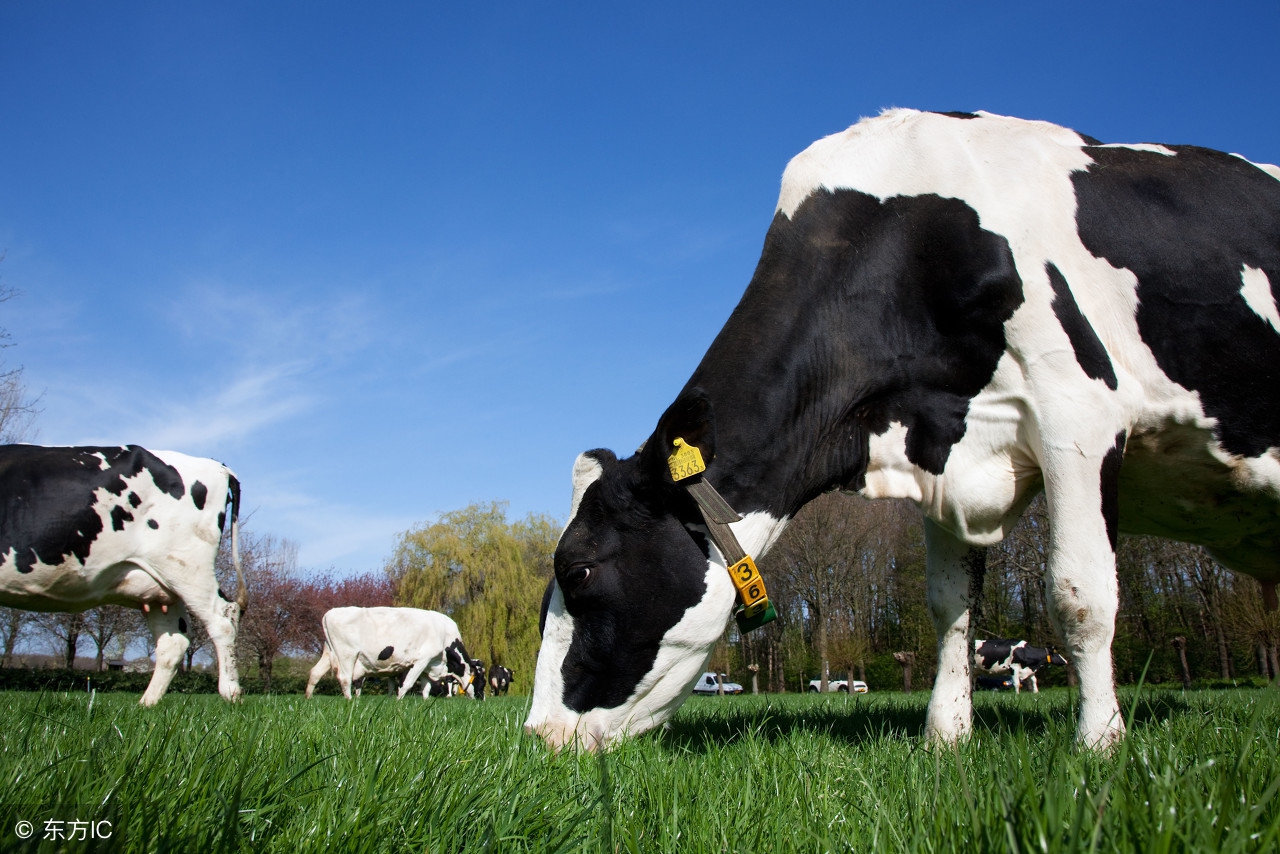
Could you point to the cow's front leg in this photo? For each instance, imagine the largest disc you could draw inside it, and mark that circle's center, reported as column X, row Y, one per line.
column 1082, row 493
column 954, row 579
column 169, row 627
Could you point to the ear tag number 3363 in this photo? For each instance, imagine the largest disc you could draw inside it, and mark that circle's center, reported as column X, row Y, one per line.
column 685, row 461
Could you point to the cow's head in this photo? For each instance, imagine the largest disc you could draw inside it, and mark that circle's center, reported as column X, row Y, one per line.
column 1055, row 658
column 636, row 604
column 462, row 668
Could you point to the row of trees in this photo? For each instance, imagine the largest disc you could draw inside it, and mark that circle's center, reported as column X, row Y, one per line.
column 848, row 579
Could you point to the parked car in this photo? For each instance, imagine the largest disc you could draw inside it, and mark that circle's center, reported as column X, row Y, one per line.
column 840, row 685
column 707, row 684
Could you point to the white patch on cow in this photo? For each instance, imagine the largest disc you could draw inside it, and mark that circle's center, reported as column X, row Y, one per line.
column 758, row 531
column 990, row 474
column 1021, row 160
column 547, row 711
column 586, row 471
column 1257, row 293
column 1270, row 169
column 548, row 681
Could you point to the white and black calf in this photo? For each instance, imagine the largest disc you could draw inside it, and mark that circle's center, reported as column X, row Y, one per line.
column 361, row 642
column 500, row 679
column 961, row 310
column 88, row 526
column 997, row 656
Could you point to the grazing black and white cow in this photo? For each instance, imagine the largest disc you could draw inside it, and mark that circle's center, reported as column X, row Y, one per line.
column 961, row 310
column 1017, row 658
column 360, row 642
column 82, row 527
column 500, row 679
column 451, row 686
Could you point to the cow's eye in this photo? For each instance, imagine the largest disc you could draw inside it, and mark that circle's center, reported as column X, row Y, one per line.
column 576, row 575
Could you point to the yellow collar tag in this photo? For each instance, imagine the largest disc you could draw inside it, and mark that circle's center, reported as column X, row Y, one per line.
column 750, row 586
column 685, row 461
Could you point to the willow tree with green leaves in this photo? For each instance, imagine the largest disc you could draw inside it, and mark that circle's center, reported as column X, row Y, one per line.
column 485, row 572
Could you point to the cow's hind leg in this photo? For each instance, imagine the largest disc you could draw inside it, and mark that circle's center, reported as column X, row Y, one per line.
column 221, row 620
column 954, row 574
column 321, row 670
column 169, row 627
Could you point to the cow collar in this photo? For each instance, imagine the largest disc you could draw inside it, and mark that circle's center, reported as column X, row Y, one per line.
column 754, row 608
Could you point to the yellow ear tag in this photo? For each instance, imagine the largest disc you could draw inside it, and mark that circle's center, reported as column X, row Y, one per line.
column 685, row 461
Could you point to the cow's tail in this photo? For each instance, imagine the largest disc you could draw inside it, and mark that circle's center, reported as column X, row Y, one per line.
column 242, row 592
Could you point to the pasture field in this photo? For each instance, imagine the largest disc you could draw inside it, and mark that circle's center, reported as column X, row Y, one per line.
column 771, row 773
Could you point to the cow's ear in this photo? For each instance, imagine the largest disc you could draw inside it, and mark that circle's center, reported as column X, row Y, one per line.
column 691, row 419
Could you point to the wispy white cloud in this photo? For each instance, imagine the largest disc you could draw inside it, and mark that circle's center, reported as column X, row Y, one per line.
column 248, row 404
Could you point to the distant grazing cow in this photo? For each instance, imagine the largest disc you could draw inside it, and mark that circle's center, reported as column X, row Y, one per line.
column 360, row 642
column 82, row 527
column 961, row 310
column 500, row 679
column 1017, row 658
column 451, row 686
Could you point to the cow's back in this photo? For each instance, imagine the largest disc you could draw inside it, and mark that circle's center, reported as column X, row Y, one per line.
column 356, row 631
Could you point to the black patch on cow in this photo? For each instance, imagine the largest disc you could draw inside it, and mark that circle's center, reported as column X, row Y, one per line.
column 992, row 652
column 134, row 501
column 456, row 659
column 153, row 524
column 199, row 492
column 386, row 653
column 182, row 625
column 1109, row 478
column 1031, row 657
column 546, row 603
column 957, row 114
column 1090, row 354
column 861, row 312
column 1186, row 226
column 222, row 519
column 119, row 515
column 48, row 506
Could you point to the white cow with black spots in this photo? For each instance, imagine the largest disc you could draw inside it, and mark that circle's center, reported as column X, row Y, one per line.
column 88, row 526
column 360, row 642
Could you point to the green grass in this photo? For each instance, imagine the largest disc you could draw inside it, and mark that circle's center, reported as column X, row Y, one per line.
column 782, row 773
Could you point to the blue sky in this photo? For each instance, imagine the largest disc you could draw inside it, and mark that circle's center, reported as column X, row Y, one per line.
column 390, row 259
